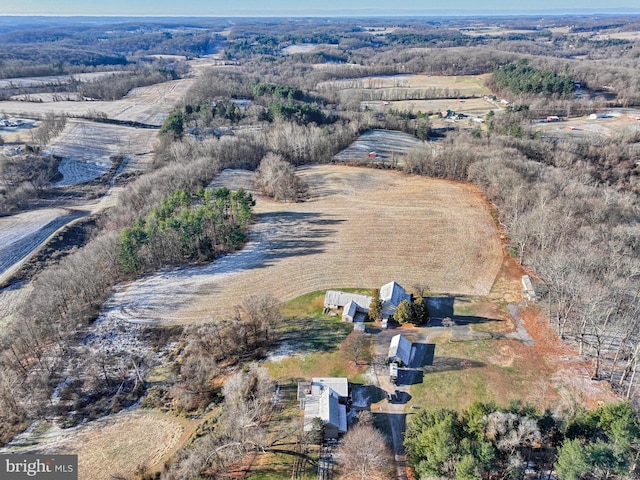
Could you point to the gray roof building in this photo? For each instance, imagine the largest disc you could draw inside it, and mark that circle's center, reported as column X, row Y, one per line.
column 400, row 350
column 325, row 398
column 392, row 294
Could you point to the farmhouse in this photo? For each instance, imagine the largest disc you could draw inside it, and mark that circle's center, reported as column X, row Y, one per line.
column 325, row 398
column 400, row 350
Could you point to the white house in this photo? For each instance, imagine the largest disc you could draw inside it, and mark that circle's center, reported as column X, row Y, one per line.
column 325, row 398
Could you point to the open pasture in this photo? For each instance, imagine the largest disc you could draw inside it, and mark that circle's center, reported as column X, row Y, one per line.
column 470, row 106
column 388, row 145
column 615, row 122
column 52, row 80
column 21, row 234
column 116, row 446
column 95, row 144
column 633, row 36
column 359, row 228
column 466, row 85
column 148, row 105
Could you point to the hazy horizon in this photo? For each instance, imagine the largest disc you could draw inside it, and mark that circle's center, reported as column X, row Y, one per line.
column 327, row 8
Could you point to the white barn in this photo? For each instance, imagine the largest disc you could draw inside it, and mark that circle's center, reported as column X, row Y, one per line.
column 351, row 304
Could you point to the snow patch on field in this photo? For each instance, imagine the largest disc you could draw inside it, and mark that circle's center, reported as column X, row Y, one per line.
column 285, row 350
column 157, row 297
column 379, row 146
column 75, row 172
column 21, row 234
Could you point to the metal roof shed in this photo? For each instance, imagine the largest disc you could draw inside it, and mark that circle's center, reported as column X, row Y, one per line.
column 337, row 299
column 400, row 350
column 349, row 311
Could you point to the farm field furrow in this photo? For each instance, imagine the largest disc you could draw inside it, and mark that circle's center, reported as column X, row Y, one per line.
column 359, row 228
column 28, row 239
column 149, row 105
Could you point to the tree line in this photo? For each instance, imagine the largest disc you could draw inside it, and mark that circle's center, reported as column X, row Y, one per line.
column 485, row 441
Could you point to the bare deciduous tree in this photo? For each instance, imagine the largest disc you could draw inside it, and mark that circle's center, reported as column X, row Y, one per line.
column 365, row 455
column 357, row 348
column 276, row 178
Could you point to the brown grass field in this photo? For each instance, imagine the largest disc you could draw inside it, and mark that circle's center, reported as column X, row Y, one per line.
column 620, row 122
column 145, row 105
column 470, row 107
column 468, row 85
column 119, row 444
column 362, row 228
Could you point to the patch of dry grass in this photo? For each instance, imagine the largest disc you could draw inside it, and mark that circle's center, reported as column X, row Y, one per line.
column 362, row 228
column 119, row 444
column 466, row 84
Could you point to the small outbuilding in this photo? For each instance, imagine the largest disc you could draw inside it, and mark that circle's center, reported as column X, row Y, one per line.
column 400, row 350
column 393, row 372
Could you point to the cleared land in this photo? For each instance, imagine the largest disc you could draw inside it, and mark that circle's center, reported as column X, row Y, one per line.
column 614, row 122
column 89, row 147
column 467, row 85
column 472, row 106
column 360, row 228
column 385, row 143
column 21, row 234
column 115, row 446
column 53, row 80
column 148, row 105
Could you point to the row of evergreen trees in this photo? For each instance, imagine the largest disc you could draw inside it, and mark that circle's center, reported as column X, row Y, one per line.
column 416, row 312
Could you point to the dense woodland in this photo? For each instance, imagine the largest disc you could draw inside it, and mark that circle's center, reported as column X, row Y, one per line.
column 569, row 208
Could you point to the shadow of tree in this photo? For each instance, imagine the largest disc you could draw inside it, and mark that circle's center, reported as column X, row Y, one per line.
column 447, row 364
column 312, row 335
column 444, row 307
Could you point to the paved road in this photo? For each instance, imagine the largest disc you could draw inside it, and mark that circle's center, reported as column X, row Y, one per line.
column 400, row 392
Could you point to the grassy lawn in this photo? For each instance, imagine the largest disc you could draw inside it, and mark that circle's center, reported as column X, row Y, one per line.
column 312, row 304
column 310, row 341
column 482, row 370
column 311, row 346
